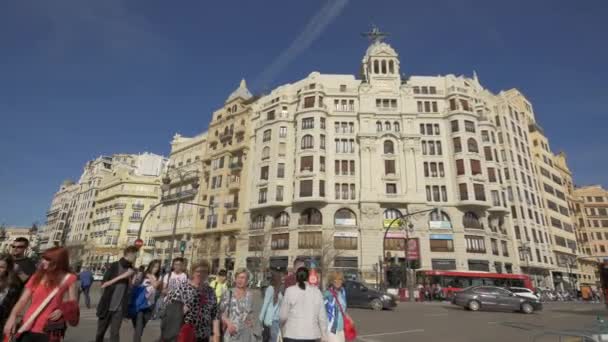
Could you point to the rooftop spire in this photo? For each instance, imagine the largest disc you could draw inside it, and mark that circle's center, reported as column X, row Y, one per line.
column 375, row 35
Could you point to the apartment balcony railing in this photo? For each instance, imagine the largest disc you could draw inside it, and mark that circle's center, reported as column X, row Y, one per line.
column 120, row 205
column 236, row 166
column 231, row 205
column 135, row 219
column 180, row 195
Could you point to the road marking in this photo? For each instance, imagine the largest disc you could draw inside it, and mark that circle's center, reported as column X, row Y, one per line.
column 393, row 333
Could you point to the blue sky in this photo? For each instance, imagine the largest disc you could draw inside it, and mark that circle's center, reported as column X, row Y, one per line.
column 81, row 78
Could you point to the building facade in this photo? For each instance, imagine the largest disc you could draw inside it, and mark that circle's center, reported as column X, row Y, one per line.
column 11, row 233
column 334, row 159
column 60, row 216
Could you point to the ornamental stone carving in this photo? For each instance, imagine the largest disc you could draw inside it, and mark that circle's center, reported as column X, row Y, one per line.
column 370, row 211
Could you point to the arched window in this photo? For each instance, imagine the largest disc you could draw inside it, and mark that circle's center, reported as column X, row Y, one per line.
column 266, row 152
column 376, row 67
column 384, row 66
column 439, row 220
column 391, row 67
column 378, row 126
column 396, row 126
column 234, row 108
column 310, row 216
column 471, row 220
column 389, row 148
column 387, row 126
column 472, row 145
column 258, row 222
column 307, row 142
column 281, row 220
column 345, row 217
column 391, row 214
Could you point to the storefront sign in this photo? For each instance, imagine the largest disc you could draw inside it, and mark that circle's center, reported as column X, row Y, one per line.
column 396, row 224
column 441, row 237
column 440, row 225
column 346, row 234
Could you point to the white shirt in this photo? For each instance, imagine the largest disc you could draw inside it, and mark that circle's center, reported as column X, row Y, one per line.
column 304, row 313
column 175, row 280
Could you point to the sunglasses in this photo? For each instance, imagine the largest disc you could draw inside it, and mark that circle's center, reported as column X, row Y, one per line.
column 18, row 246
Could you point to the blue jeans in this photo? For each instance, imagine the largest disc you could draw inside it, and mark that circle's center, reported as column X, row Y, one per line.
column 274, row 331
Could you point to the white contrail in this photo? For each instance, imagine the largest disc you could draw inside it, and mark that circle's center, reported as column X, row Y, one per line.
column 305, row 38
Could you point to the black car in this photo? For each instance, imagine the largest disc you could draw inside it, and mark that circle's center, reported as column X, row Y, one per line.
column 359, row 295
column 494, row 298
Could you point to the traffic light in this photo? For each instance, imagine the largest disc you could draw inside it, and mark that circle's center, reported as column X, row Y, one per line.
column 182, row 246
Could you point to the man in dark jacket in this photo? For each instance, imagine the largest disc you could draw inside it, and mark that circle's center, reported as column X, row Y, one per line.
column 114, row 301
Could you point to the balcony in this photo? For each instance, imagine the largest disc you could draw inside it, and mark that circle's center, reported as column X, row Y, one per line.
column 236, row 166
column 135, row 219
column 137, row 206
column 231, row 205
column 180, row 195
column 132, row 231
column 226, row 135
column 119, row 205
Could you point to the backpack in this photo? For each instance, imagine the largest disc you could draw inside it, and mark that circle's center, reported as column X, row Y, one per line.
column 138, row 302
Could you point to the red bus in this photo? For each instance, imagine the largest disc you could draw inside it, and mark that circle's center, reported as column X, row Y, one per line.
column 456, row 281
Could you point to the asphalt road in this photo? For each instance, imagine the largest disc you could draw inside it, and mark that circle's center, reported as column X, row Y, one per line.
column 425, row 322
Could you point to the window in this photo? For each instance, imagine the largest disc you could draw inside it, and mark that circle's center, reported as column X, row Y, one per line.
column 308, row 240
column 307, row 163
column 262, row 195
column 264, row 173
column 454, row 124
column 306, row 188
column 308, row 123
column 279, row 241
column 387, row 126
column 491, row 175
column 475, row 244
column 270, row 115
column 388, row 147
column 322, row 123
column 345, row 217
column 310, row 216
column 267, row 135
column 462, row 189
column 469, row 126
column 309, row 102
column 441, row 245
column 258, row 222
column 282, row 132
column 279, row 194
column 471, row 220
column 345, row 242
column 307, row 142
column 281, row 170
column 266, row 152
column 505, row 249
column 322, row 164
column 282, row 149
column 475, row 167
column 389, row 167
column 396, row 126
column 480, row 265
column 459, row 167
column 391, row 188
column 457, row 145
column 322, row 142
column 485, row 137
column 281, row 220
column 472, row 146
column 494, row 244
column 487, row 151
column 480, row 194
column 378, row 126
column 321, row 188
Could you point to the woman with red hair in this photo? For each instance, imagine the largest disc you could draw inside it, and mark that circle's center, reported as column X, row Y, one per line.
column 46, row 317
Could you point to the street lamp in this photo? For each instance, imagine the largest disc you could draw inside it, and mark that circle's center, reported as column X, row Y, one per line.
column 402, row 218
column 178, row 198
column 525, row 250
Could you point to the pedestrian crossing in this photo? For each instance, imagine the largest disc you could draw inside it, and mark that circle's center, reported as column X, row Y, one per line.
column 91, row 315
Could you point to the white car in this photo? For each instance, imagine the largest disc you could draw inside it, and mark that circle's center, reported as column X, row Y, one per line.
column 523, row 293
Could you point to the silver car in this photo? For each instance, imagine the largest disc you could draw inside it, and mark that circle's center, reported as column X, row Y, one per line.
column 494, row 298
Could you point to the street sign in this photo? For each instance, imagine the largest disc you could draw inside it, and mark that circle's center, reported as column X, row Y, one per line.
column 138, row 243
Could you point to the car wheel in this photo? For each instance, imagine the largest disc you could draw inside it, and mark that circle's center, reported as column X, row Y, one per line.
column 473, row 305
column 376, row 304
column 527, row 308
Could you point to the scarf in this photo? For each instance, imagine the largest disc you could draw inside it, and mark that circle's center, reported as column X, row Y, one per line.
column 334, row 316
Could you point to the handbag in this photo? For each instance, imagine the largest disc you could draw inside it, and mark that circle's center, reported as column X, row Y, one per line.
column 350, row 331
column 186, row 333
